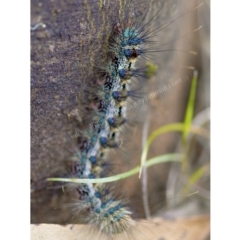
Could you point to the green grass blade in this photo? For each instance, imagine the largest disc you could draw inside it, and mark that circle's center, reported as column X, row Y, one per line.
column 159, row 159
column 190, row 107
column 174, row 127
column 197, row 175
column 164, row 129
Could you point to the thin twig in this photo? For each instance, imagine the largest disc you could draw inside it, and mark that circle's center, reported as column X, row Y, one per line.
column 144, row 178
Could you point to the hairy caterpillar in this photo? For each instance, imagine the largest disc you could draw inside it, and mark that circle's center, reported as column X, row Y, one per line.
column 119, row 97
column 106, row 212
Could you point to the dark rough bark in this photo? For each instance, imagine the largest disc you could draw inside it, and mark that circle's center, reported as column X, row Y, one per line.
column 65, row 57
